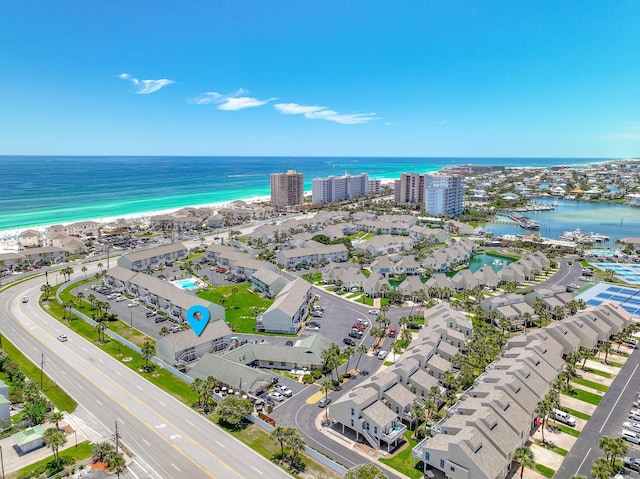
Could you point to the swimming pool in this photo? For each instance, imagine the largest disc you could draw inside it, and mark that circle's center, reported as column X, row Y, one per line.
column 629, row 273
column 186, row 284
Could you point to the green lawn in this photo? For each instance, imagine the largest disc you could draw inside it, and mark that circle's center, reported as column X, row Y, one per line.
column 568, row 430
column 597, row 372
column 403, row 461
column 544, row 470
column 615, row 364
column 79, row 453
column 261, row 442
column 585, row 396
column 591, row 384
column 553, row 448
column 577, row 414
column 55, row 393
column 239, row 305
column 160, row 377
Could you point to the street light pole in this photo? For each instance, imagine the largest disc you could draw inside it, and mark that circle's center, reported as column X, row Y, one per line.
column 131, row 319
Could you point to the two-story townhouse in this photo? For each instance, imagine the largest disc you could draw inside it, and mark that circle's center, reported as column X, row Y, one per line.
column 154, row 257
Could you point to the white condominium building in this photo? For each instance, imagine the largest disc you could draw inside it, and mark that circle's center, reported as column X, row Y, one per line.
column 443, row 194
column 287, row 189
column 335, row 188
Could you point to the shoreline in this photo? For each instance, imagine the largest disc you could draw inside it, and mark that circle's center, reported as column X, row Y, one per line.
column 10, row 237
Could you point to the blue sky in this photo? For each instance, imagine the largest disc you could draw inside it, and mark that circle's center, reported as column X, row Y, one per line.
column 326, row 78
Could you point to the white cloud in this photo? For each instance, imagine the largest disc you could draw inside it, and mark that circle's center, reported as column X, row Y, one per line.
column 442, row 122
column 144, row 87
column 323, row 113
column 231, row 102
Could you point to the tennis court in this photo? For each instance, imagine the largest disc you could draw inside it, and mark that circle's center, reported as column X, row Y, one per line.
column 628, row 298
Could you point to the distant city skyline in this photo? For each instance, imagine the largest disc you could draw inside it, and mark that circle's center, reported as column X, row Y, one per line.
column 411, row 79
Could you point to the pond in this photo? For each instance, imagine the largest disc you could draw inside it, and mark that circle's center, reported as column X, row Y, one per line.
column 495, row 261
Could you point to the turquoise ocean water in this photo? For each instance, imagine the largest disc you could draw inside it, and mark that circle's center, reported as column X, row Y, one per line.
column 43, row 190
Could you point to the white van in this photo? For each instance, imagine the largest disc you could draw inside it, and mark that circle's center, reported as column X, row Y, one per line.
column 630, row 436
column 563, row 417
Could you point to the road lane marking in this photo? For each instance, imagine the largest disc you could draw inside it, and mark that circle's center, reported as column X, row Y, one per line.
column 176, row 467
column 98, row 401
column 146, row 442
column 80, row 387
column 138, row 386
column 220, row 444
column 257, row 470
column 619, row 396
column 141, row 403
column 585, row 458
column 162, row 404
column 189, row 422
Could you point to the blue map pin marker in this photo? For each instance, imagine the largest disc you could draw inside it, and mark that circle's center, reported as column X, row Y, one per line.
column 198, row 317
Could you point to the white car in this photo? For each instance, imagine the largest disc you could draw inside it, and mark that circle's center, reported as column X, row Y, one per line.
column 364, row 322
column 631, row 426
column 120, row 299
column 132, row 304
column 634, row 414
column 382, row 354
column 284, row 390
column 630, row 436
column 564, row 417
column 62, row 337
column 312, row 328
column 276, row 396
column 25, row 299
column 375, row 312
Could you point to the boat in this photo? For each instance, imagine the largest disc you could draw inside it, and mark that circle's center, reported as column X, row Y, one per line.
column 577, row 236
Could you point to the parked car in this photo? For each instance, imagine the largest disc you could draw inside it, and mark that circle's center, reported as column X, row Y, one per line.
column 120, row 299
column 149, row 314
column 289, row 343
column 276, row 396
column 132, row 304
column 355, row 334
column 630, row 436
column 314, row 323
column 349, row 341
column 631, row 426
column 25, row 299
column 324, row 401
column 413, row 326
column 284, row 390
column 564, row 417
column 382, row 354
column 634, row 414
column 312, row 328
column 632, row 463
column 62, row 337
column 160, row 319
column 359, row 327
column 364, row 322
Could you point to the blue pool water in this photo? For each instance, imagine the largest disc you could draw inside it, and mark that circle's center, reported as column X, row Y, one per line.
column 186, row 284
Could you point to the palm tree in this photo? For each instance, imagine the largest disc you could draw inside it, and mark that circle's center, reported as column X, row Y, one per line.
column 601, row 469
column 280, row 435
column 542, row 410
column 99, row 328
column 84, row 270
column 295, row 444
column 417, row 414
column 55, row 439
column 326, row 386
column 348, row 352
column 606, row 348
column 524, row 456
column 56, row 417
column 570, row 373
column 361, row 349
column 147, row 352
column 196, row 386
column 164, row 331
column 116, row 462
column 397, row 349
column 46, row 291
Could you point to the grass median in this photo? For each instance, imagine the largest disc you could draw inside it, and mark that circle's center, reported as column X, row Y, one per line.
column 55, row 393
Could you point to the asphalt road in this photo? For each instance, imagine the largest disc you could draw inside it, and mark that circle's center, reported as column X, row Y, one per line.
column 606, row 421
column 171, row 439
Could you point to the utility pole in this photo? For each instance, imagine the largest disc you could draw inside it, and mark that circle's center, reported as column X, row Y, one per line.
column 41, row 369
column 2, row 462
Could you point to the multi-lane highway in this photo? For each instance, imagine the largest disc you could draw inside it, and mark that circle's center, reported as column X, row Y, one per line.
column 171, row 439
